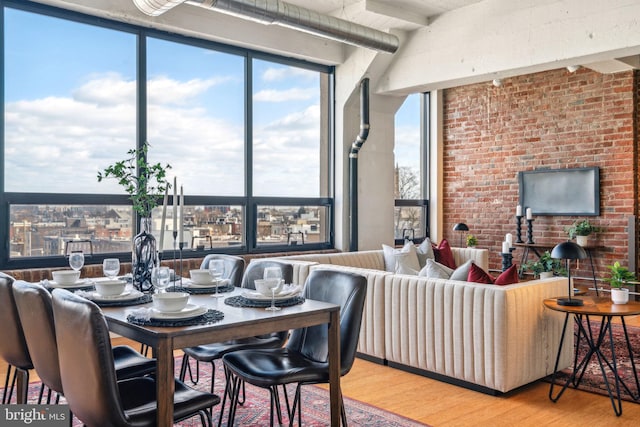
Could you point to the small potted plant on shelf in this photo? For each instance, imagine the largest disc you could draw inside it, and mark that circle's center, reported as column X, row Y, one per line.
column 471, row 241
column 545, row 266
column 618, row 277
column 580, row 230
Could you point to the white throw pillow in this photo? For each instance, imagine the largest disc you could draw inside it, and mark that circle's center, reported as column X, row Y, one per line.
column 435, row 270
column 401, row 260
column 461, row 273
column 425, row 252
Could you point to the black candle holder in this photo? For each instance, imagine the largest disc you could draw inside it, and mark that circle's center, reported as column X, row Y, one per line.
column 175, row 248
column 530, row 232
column 519, row 229
column 181, row 246
column 507, row 260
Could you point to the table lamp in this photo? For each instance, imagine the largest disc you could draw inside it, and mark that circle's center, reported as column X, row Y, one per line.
column 569, row 250
column 461, row 227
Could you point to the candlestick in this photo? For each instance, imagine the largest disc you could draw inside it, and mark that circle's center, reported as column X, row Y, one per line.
column 181, row 245
column 175, row 205
column 530, row 231
column 518, row 210
column 181, row 236
column 529, row 214
column 519, row 229
column 164, row 216
column 507, row 260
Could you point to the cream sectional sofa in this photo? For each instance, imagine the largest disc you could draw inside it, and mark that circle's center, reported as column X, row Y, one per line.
column 486, row 337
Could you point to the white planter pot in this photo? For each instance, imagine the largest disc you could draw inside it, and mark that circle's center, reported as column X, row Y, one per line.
column 582, row 240
column 546, row 274
column 620, row 295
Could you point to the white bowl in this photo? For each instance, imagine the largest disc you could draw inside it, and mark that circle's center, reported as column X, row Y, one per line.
column 65, row 277
column 201, row 276
column 108, row 288
column 264, row 286
column 170, row 301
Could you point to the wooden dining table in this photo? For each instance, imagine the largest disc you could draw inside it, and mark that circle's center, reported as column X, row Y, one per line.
column 238, row 322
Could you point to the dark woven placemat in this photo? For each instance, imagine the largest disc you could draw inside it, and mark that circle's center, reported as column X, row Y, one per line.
column 197, row 290
column 240, row 301
column 123, row 303
column 211, row 316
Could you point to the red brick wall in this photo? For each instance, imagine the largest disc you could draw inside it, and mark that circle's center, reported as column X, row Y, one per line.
column 551, row 120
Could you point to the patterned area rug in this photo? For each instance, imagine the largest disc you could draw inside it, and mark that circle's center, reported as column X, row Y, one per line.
column 592, row 380
column 255, row 412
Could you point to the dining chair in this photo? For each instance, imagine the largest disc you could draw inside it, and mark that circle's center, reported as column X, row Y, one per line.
column 13, row 346
column 304, row 359
column 214, row 351
column 89, row 381
column 33, row 302
column 233, row 267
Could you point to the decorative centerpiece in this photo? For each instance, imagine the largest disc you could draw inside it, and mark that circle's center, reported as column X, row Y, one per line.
column 144, row 183
column 580, row 230
column 618, row 277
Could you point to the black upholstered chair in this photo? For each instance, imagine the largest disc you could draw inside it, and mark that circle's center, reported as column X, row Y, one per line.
column 212, row 352
column 304, row 360
column 36, row 315
column 89, row 379
column 233, row 267
column 13, row 347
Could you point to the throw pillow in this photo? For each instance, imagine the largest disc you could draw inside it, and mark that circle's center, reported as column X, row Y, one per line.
column 508, row 277
column 462, row 273
column 394, row 258
column 478, row 275
column 434, row 270
column 443, row 254
column 425, row 252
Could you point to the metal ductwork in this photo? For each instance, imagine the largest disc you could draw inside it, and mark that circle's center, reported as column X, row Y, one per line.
column 353, row 164
column 277, row 12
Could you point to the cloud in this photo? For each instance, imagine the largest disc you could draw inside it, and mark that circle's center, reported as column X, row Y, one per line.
column 293, row 94
column 285, row 73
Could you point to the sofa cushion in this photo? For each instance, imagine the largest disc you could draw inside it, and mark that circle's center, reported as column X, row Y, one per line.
column 443, row 254
column 462, row 273
column 478, row 275
column 507, row 277
column 435, row 270
column 425, row 252
column 402, row 260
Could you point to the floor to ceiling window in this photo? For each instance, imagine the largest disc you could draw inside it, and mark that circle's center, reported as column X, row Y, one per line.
column 246, row 134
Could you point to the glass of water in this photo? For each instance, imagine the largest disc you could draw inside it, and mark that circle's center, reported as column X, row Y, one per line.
column 216, row 271
column 76, row 260
column 160, row 277
column 111, row 267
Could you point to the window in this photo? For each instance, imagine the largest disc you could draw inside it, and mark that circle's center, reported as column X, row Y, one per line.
column 410, row 151
column 237, row 126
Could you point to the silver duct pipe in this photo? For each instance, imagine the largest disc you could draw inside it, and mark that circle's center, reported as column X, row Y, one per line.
column 287, row 15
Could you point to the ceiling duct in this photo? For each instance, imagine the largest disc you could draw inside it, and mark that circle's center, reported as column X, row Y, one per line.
column 287, row 15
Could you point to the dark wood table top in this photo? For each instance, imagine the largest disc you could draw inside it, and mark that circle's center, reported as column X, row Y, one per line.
column 597, row 306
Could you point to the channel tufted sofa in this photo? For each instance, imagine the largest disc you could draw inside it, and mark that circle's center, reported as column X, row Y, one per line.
column 486, row 337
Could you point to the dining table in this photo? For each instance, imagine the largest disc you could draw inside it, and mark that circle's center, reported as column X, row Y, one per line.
column 235, row 322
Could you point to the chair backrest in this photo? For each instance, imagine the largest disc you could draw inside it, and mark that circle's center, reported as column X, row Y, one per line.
column 86, row 360
column 13, row 346
column 36, row 315
column 255, row 270
column 346, row 289
column 233, row 267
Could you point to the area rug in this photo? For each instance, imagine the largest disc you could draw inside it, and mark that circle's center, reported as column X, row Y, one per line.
column 255, row 412
column 593, row 380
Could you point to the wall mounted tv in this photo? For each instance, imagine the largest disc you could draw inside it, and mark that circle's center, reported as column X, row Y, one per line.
column 561, row 191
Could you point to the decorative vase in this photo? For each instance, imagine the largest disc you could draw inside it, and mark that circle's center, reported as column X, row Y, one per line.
column 546, row 274
column 582, row 240
column 619, row 295
column 143, row 257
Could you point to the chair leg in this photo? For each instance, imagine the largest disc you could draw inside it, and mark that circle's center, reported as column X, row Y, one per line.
column 6, row 386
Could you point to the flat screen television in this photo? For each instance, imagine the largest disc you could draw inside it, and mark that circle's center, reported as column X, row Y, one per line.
column 561, row 192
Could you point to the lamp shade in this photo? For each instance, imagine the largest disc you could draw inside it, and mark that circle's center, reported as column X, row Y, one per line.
column 568, row 250
column 461, row 226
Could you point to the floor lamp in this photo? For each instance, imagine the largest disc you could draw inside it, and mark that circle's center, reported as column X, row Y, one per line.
column 569, row 250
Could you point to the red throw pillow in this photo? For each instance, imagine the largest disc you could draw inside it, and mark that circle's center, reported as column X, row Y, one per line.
column 478, row 275
column 443, row 254
column 508, row 277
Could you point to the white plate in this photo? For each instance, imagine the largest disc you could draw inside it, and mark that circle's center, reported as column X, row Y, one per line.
column 257, row 296
column 190, row 311
column 212, row 284
column 79, row 284
column 127, row 295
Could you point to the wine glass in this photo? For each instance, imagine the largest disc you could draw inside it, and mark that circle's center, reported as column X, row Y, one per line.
column 273, row 276
column 216, row 270
column 76, row 260
column 160, row 277
column 111, row 267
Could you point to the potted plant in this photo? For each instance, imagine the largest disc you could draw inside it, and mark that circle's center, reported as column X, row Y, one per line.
column 471, row 241
column 580, row 229
column 545, row 266
column 144, row 183
column 618, row 277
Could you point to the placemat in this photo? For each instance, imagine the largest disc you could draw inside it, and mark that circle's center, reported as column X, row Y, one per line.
column 195, row 291
column 123, row 303
column 240, row 301
column 211, row 316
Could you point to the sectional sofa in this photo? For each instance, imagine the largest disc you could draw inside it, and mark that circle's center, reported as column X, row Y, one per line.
column 486, row 337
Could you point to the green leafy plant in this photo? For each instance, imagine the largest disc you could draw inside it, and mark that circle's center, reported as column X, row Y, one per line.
column 471, row 241
column 142, row 181
column 545, row 264
column 581, row 228
column 619, row 275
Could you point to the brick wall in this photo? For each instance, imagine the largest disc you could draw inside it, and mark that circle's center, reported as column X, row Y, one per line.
column 553, row 120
